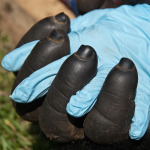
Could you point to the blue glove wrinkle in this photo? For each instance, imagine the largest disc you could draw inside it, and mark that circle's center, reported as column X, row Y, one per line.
column 87, row 20
column 123, row 35
column 74, row 42
column 127, row 16
column 141, row 117
column 84, row 100
column 38, row 83
column 15, row 59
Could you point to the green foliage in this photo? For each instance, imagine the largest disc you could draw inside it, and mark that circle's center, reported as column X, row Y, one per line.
column 15, row 133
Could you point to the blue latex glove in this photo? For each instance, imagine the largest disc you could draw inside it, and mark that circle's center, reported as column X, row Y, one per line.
column 113, row 33
column 15, row 59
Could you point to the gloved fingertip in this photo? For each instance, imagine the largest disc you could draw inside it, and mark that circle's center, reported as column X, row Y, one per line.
column 20, row 95
column 5, row 63
column 15, row 98
column 14, row 60
column 141, row 119
column 135, row 135
column 74, row 111
column 12, row 97
column 135, row 132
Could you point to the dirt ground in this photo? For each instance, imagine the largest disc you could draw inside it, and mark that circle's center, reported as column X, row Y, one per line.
column 17, row 16
column 42, row 8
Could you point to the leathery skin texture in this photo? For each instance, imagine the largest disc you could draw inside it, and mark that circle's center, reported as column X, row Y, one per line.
column 73, row 75
column 44, row 27
column 120, row 143
column 86, row 144
column 45, row 51
column 109, row 121
column 85, row 6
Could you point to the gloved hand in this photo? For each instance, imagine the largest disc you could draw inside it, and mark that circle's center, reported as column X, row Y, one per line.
column 113, row 33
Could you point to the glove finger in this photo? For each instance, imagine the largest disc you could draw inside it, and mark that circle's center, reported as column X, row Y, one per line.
column 88, row 19
column 84, row 100
column 140, row 121
column 15, row 59
column 37, row 84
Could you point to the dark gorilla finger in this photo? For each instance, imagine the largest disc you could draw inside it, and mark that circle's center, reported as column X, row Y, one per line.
column 46, row 51
column 109, row 120
column 74, row 74
column 44, row 27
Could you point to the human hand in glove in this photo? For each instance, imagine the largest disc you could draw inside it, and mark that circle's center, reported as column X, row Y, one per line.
column 113, row 33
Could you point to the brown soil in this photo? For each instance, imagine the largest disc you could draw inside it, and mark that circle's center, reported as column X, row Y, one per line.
column 42, row 8
column 17, row 16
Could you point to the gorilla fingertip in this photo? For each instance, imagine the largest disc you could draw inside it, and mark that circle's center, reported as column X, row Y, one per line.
column 55, row 36
column 126, row 64
column 85, row 51
column 61, row 17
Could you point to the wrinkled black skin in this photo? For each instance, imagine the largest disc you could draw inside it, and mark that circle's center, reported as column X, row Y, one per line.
column 43, row 28
column 109, row 121
column 73, row 75
column 86, row 144
column 46, row 51
column 128, row 144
